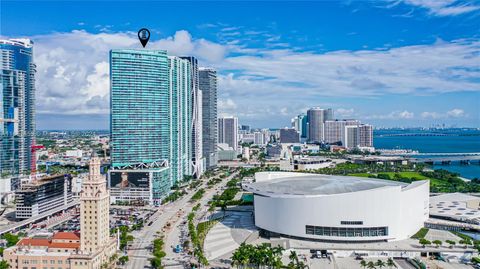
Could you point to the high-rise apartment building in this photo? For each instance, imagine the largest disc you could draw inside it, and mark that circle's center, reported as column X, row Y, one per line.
column 151, row 117
column 316, row 119
column 358, row 136
column 366, row 135
column 335, row 130
column 17, row 108
column 208, row 87
column 198, row 161
column 228, row 131
column 181, row 108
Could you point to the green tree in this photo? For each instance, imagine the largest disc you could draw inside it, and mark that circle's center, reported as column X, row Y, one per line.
column 4, row 265
column 371, row 265
column 363, row 264
column 123, row 260
column 437, row 243
column 424, row 242
column 391, row 263
column 451, row 243
column 380, row 263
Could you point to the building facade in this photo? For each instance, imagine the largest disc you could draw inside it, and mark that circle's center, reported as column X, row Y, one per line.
column 208, row 87
column 198, row 161
column 228, row 131
column 338, row 208
column 358, row 136
column 335, row 130
column 289, row 135
column 17, row 109
column 316, row 119
column 42, row 195
column 140, row 122
column 181, row 124
column 92, row 249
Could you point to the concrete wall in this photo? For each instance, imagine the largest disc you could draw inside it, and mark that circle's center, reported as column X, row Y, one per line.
column 403, row 211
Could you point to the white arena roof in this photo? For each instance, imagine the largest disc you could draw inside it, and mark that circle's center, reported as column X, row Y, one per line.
column 456, row 206
column 317, row 184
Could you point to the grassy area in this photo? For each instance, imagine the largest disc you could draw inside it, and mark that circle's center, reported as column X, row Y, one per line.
column 440, row 180
column 420, row 234
column 197, row 195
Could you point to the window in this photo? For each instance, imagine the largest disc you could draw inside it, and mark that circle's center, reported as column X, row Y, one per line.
column 346, row 232
column 343, row 222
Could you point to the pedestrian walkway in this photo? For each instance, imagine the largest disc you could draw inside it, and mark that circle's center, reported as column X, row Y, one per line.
column 228, row 234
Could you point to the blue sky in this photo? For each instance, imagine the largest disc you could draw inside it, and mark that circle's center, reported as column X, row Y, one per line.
column 389, row 63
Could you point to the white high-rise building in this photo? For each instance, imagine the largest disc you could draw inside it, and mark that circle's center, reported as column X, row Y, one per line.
column 228, row 131
column 335, row 130
column 358, row 136
column 316, row 119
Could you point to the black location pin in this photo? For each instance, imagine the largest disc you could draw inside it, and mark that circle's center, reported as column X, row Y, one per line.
column 144, row 36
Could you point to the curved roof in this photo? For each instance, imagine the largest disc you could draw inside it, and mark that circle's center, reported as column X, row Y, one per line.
column 317, row 184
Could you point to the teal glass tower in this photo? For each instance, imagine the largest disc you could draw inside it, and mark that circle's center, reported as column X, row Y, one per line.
column 140, row 115
column 151, row 116
column 17, row 108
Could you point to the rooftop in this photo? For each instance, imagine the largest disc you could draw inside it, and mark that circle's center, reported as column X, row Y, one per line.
column 317, row 184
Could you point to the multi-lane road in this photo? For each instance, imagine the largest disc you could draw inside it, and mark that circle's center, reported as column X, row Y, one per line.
column 175, row 213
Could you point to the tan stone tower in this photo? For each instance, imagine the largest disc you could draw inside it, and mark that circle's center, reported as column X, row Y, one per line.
column 94, row 215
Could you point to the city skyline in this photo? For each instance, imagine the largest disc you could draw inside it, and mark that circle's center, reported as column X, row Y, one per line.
column 417, row 68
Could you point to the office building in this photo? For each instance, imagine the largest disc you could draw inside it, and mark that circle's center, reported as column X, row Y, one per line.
column 300, row 123
column 140, row 123
column 228, row 131
column 226, row 153
column 335, row 130
column 245, row 128
column 17, row 110
column 42, row 195
column 198, row 161
column 92, row 249
column 289, row 135
column 316, row 119
column 338, row 208
column 208, row 87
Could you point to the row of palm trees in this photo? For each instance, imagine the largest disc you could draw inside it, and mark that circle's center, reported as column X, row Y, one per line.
column 260, row 256
column 378, row 264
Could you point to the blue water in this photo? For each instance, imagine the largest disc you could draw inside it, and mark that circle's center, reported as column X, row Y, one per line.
column 457, row 141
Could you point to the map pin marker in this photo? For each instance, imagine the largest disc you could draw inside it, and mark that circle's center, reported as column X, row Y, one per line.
column 144, row 36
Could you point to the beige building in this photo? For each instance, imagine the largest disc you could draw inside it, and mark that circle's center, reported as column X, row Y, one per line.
column 90, row 250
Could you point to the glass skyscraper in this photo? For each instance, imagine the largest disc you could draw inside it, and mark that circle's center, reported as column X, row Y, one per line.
column 17, row 107
column 151, row 116
column 208, row 87
column 140, row 115
column 180, row 117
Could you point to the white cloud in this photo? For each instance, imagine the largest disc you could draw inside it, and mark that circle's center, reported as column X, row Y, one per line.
column 344, row 112
column 431, row 115
column 73, row 68
column 393, row 115
column 256, row 82
column 443, row 7
column 456, row 113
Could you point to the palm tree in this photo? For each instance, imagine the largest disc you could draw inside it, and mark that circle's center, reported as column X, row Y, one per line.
column 363, row 264
column 391, row 263
column 380, row 263
column 371, row 265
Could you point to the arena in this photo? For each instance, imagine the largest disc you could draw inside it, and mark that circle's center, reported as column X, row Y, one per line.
column 338, row 208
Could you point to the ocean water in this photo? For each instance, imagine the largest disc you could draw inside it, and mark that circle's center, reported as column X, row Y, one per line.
column 457, row 141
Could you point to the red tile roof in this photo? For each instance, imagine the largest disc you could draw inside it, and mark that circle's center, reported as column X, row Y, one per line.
column 47, row 242
column 65, row 236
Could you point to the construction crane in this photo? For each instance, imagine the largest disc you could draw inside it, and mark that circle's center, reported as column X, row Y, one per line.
column 33, row 162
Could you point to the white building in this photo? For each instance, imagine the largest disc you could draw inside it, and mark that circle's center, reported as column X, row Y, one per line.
column 338, row 208
column 335, row 130
column 358, row 136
